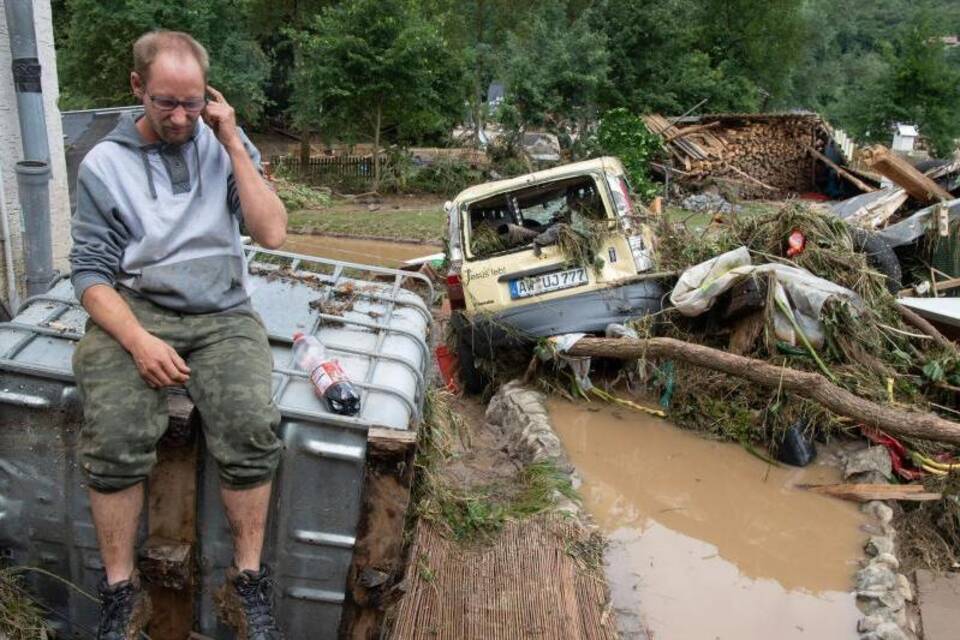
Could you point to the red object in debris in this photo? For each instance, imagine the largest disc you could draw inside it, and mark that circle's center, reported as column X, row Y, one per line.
column 898, row 453
column 455, row 291
column 796, row 243
column 448, row 363
column 815, row 196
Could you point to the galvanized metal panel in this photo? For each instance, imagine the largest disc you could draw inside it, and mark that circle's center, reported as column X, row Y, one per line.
column 380, row 339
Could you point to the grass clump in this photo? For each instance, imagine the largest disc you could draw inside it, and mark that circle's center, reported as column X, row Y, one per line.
column 296, row 196
column 20, row 617
column 474, row 512
column 478, row 512
column 930, row 531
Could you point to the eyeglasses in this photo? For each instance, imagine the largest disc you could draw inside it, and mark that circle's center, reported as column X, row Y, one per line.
column 166, row 103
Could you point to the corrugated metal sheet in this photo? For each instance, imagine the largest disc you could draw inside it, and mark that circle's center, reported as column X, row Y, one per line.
column 368, row 317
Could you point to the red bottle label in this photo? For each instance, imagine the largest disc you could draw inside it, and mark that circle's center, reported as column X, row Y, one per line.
column 326, row 374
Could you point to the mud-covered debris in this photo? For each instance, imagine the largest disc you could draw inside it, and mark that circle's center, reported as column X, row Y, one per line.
column 868, row 465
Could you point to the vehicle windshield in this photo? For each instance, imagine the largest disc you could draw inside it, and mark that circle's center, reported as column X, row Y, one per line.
column 513, row 220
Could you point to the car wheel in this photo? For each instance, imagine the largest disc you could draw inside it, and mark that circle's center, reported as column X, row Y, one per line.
column 472, row 378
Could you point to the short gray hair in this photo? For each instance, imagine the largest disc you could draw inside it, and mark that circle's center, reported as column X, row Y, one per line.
column 151, row 44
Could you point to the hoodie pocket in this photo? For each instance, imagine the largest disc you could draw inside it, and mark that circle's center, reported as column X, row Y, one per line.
column 198, row 285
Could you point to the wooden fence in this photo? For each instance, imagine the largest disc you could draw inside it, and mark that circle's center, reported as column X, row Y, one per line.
column 328, row 166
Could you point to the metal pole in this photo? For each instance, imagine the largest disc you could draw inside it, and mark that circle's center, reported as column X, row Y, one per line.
column 33, row 182
column 33, row 174
column 26, row 78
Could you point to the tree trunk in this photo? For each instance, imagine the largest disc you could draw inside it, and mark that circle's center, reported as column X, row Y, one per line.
column 376, row 149
column 304, row 151
column 812, row 386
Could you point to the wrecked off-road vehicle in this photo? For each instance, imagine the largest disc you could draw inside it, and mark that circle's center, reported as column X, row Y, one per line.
column 552, row 252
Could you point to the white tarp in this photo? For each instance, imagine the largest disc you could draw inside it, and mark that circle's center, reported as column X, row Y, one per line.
column 797, row 290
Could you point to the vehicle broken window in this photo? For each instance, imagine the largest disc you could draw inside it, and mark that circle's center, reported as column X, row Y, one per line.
column 514, row 220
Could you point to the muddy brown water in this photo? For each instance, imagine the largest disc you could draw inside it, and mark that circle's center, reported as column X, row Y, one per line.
column 707, row 541
column 375, row 252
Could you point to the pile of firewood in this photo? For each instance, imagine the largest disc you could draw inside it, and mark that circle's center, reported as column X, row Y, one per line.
column 765, row 155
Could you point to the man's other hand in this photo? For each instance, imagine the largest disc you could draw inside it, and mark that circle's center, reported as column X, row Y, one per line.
column 221, row 118
column 158, row 363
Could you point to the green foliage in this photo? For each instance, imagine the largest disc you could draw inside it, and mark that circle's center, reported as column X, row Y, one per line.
column 920, row 85
column 554, row 68
column 624, row 135
column 669, row 56
column 95, row 56
column 408, row 71
column 370, row 66
column 296, row 196
column 445, row 177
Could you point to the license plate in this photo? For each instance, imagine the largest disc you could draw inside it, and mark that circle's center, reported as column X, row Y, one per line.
column 537, row 285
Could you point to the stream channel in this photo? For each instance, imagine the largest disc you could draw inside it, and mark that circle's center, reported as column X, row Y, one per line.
column 706, row 541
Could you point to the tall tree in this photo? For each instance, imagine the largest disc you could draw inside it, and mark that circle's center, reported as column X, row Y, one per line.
column 95, row 59
column 375, row 65
column 554, row 68
column 920, row 85
column 762, row 40
column 671, row 55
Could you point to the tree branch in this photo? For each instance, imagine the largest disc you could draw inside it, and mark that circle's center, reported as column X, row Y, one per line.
column 812, row 386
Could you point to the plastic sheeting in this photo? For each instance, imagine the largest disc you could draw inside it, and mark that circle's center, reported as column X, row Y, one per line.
column 870, row 209
column 908, row 230
column 799, row 294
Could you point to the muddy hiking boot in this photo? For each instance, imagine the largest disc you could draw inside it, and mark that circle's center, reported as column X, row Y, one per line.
column 245, row 602
column 124, row 609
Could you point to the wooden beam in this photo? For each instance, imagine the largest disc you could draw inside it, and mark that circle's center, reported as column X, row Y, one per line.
column 868, row 492
column 378, row 552
column 689, row 130
column 390, row 443
column 944, row 285
column 919, row 186
column 167, row 557
column 843, row 173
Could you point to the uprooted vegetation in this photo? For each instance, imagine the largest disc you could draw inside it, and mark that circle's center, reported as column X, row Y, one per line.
column 21, row 618
column 869, row 352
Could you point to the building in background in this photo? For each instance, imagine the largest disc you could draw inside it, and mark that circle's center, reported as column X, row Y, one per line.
column 905, row 137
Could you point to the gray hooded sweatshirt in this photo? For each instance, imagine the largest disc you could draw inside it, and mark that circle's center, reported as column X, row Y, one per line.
column 161, row 220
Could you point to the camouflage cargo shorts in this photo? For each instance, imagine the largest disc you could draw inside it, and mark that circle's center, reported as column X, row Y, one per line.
column 230, row 384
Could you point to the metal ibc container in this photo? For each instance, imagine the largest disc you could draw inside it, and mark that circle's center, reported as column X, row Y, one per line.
column 375, row 321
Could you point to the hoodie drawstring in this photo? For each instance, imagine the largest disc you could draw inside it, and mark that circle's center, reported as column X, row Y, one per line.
column 196, row 154
column 149, row 172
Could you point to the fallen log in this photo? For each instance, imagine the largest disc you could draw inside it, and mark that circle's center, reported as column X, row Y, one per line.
column 812, row 386
column 868, row 492
column 881, row 160
column 843, row 173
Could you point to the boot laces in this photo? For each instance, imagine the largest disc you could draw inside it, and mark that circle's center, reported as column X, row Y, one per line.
column 255, row 594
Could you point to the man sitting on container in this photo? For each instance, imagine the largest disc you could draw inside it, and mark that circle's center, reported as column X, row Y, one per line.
column 158, row 264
